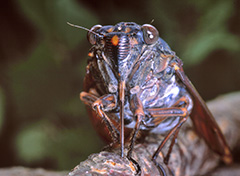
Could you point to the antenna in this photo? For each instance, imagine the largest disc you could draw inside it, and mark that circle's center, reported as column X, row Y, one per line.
column 152, row 21
column 86, row 29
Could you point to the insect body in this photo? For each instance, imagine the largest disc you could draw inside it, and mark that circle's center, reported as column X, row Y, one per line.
column 134, row 80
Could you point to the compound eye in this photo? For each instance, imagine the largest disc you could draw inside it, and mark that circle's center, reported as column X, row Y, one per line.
column 150, row 34
column 91, row 36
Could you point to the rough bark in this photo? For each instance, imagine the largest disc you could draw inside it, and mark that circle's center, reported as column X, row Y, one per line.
column 190, row 155
column 23, row 171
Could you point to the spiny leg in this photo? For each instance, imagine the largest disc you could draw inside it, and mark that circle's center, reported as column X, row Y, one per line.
column 161, row 170
column 132, row 142
column 182, row 102
column 174, row 130
column 159, row 114
column 137, row 109
column 178, row 110
column 101, row 104
column 133, row 139
column 162, row 114
column 166, row 158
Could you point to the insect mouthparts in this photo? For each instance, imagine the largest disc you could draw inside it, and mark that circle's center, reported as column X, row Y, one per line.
column 117, row 47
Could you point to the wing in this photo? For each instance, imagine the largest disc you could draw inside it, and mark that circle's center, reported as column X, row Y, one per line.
column 203, row 120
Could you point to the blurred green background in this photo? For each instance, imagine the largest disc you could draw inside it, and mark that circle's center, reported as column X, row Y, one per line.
column 42, row 64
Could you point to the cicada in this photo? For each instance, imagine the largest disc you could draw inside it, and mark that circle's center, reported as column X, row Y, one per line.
column 135, row 81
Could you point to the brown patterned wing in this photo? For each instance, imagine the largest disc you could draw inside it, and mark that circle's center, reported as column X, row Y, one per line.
column 203, row 120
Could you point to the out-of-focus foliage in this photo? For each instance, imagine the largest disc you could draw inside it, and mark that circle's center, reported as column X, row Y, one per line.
column 2, row 100
column 42, row 121
column 45, row 86
column 211, row 31
column 42, row 140
column 31, row 142
column 208, row 31
column 50, row 18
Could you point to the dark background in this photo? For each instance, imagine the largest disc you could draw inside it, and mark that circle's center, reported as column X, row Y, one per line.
column 42, row 65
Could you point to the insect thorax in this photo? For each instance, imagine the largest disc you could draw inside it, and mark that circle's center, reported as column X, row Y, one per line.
column 146, row 69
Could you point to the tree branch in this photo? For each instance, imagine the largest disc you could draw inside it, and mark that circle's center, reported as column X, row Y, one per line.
column 190, row 155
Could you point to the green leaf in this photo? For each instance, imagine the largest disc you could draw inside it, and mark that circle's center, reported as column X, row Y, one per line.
column 51, row 18
column 211, row 34
column 39, row 85
column 70, row 146
column 31, row 143
column 203, row 45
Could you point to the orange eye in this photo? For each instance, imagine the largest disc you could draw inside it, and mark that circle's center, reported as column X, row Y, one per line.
column 150, row 34
column 91, row 36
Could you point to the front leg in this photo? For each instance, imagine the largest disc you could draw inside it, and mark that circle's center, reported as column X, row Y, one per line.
column 158, row 115
column 101, row 105
column 178, row 110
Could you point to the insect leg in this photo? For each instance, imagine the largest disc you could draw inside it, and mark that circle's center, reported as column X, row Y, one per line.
column 166, row 158
column 183, row 101
column 160, row 168
column 137, row 109
column 172, row 131
column 203, row 120
column 101, row 104
column 165, row 113
column 179, row 109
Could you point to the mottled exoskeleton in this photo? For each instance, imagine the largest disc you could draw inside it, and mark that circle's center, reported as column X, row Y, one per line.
column 134, row 80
